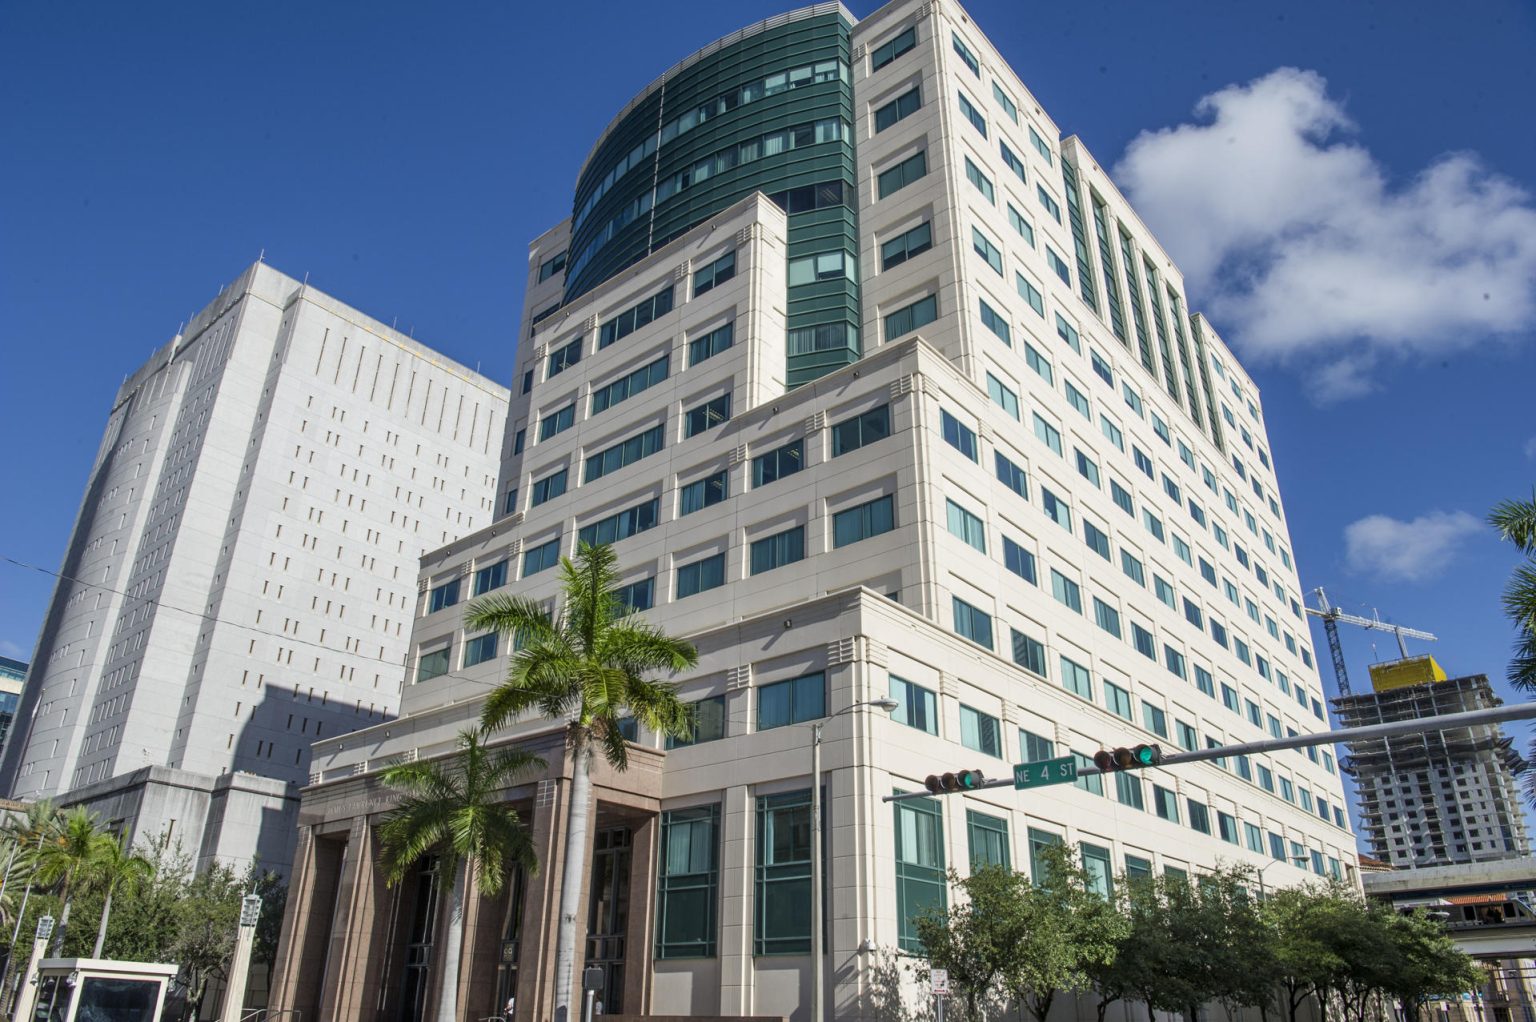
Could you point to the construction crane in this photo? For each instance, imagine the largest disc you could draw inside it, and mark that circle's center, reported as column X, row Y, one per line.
column 1332, row 615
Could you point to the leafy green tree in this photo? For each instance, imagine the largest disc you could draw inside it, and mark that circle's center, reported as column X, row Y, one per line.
column 970, row 940
column 456, row 812
column 1297, row 922
column 1060, row 932
column 208, row 921
column 1425, row 965
column 67, row 857
column 116, row 869
column 589, row 666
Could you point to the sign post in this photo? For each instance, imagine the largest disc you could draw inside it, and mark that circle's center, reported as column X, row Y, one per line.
column 1062, row 770
column 940, row 980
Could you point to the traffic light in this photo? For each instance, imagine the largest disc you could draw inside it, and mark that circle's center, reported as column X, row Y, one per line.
column 959, row 780
column 1135, row 758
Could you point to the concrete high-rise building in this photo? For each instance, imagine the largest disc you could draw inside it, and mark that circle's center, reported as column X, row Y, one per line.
column 241, row 575
column 878, row 387
column 13, row 673
column 1442, row 796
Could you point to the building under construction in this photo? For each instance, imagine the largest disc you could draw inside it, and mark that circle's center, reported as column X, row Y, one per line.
column 1441, row 796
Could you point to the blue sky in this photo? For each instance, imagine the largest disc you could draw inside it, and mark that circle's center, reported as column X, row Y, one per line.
column 402, row 154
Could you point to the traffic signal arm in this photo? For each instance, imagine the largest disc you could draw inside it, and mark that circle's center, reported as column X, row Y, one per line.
column 1492, row 715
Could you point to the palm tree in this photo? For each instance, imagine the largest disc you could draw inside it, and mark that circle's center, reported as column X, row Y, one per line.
column 115, row 869
column 1516, row 522
column 455, row 811
column 586, row 666
column 66, row 858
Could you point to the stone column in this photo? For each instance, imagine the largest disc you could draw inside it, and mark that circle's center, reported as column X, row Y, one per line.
column 736, row 868
column 302, row 964
column 355, row 960
column 639, row 942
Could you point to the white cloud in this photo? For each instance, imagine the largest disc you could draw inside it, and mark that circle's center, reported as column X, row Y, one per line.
column 1530, row 449
column 1295, row 242
column 1398, row 551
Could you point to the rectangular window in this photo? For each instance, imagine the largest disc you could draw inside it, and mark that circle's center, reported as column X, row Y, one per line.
column 1058, row 510
column 966, row 55
column 632, row 319
column 550, row 267
column 1030, row 293
column 1096, row 539
column 445, row 595
column 433, row 663
column 972, row 622
column 630, row 384
column 791, row 702
column 966, row 526
column 548, row 488
column 824, row 266
column 1154, row 719
column 492, row 577
column 906, row 246
column 1018, row 560
column 987, row 837
column 997, row 323
column 687, row 883
column 1226, row 826
column 1174, row 661
column 1007, row 104
column 778, row 463
column 1204, row 682
column 1076, row 679
column 563, row 358
column 708, row 573
column 479, row 649
column 1011, row 160
column 1039, row 363
column 711, row 344
column 1122, row 498
column 1086, row 466
column 921, row 884
column 777, row 550
column 1106, row 617
column 1188, row 739
column 1166, row 803
column 958, row 435
column 902, row 106
column 1024, row 227
column 1129, row 791
column 981, row 181
column 902, row 174
column 1003, row 396
column 1040, row 146
column 1096, row 864
column 558, row 421
column 1132, row 568
column 1143, row 641
column 1117, row 700
column 1011, row 475
column 861, row 430
column 911, row 317
column 541, row 558
column 1058, row 265
column 703, row 493
column 1034, row 748
column 1039, row 840
column 1068, row 333
column 1049, row 203
column 1028, row 653
column 619, row 526
column 782, row 923
column 1048, row 434
column 916, row 707
column 980, row 732
column 636, row 596
column 714, row 274
column 899, row 44
column 707, row 415
column 1078, row 400
column 873, row 518
column 972, row 114
column 627, row 452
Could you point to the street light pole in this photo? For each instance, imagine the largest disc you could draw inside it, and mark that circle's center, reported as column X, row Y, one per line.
column 818, row 952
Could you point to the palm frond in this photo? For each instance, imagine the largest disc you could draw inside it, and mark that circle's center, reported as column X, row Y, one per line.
column 1516, row 522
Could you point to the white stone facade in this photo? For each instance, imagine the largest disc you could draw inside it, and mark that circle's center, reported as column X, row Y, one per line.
column 241, row 575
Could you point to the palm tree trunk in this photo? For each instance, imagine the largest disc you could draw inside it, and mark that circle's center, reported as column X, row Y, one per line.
column 58, row 932
column 453, row 946
column 101, row 932
column 576, row 841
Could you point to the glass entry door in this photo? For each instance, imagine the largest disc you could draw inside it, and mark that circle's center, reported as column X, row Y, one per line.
column 608, row 913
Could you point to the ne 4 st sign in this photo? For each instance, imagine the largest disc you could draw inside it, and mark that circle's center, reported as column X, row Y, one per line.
column 1045, row 771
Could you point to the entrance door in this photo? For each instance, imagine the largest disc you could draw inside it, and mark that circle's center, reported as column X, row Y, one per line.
column 608, row 913
column 511, row 936
column 418, row 948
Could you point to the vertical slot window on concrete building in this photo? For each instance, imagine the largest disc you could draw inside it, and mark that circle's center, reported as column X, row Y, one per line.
column 987, row 838
column 916, row 707
column 869, row 519
column 968, row 109
column 782, row 909
column 983, row 183
column 921, row 886
column 791, row 702
column 687, row 882
column 777, row 550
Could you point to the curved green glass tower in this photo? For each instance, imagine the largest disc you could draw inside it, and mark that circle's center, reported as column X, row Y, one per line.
column 769, row 109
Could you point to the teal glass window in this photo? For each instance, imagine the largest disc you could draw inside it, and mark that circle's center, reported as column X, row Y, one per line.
column 901, row 43
column 965, row 54
column 987, row 840
column 1030, row 293
column 557, row 422
column 916, row 707
column 708, row 716
column 980, row 732
column 958, row 435
column 707, row 415
column 981, row 181
column 1076, row 679
column 968, row 109
column 791, row 702
column 548, row 488
column 997, row 323
column 632, row 319
column 479, row 649
column 622, row 525
column 622, row 454
column 433, row 663
column 777, row 550
column 1019, row 560
column 1028, row 653
column 972, row 622
column 966, row 526
column 1011, row 475
column 711, row 344
column 983, row 247
column 712, row 275
column 906, row 245
column 541, row 558
column 782, row 908
column 861, row 430
column 1011, row 160
column 902, row 106
column 778, row 463
column 687, row 884
column 562, row 358
column 445, row 595
column 872, row 518
column 703, row 493
column 921, row 886
column 492, row 576
column 700, row 575
column 1003, row 396
column 909, row 318
column 902, row 174
column 631, row 383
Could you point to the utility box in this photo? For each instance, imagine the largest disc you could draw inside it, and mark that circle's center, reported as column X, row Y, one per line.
column 98, row 990
column 1414, row 670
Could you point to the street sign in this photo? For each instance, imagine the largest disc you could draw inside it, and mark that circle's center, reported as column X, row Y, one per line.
column 1046, row 771
column 940, row 980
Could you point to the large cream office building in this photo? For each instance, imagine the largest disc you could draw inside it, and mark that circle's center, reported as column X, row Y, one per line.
column 879, row 388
